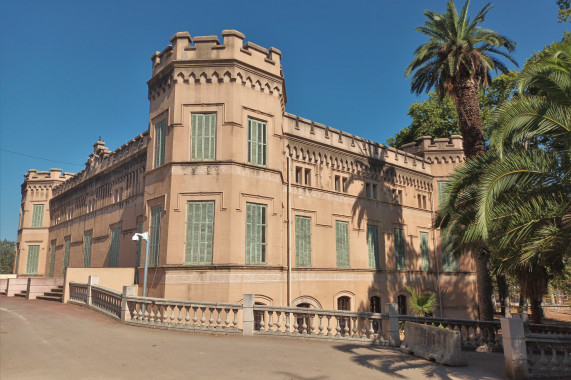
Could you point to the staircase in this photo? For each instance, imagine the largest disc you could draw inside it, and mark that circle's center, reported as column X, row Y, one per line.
column 56, row 294
column 23, row 294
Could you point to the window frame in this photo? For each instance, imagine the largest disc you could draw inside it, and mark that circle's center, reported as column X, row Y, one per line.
column 33, row 258
column 399, row 248
column 205, row 247
column 37, row 216
column 424, row 251
column 255, row 146
column 114, row 245
column 342, row 250
column 374, row 253
column 259, row 228
column 196, row 138
column 302, row 241
column 155, row 235
column 160, row 141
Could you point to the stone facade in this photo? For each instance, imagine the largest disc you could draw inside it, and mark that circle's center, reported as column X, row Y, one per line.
column 240, row 196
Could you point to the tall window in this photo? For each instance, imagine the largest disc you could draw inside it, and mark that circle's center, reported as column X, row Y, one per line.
column 344, row 303
column 442, row 188
column 66, row 247
column 155, row 238
column 87, row 251
column 38, row 215
column 449, row 262
column 399, row 248
column 373, row 245
column 114, row 247
column 401, row 300
column 257, row 142
column 424, row 253
column 199, row 233
column 160, row 132
column 52, row 258
column 33, row 254
column 203, row 137
column 302, row 241
column 255, row 234
column 342, row 243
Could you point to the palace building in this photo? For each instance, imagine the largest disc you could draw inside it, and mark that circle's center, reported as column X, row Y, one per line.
column 239, row 196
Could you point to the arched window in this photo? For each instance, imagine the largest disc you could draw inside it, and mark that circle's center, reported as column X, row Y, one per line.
column 303, row 318
column 401, row 300
column 375, row 308
column 344, row 303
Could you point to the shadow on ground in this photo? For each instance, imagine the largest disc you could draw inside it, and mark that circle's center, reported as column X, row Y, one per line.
column 393, row 362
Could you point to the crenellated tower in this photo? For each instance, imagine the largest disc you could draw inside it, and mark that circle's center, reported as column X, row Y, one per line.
column 33, row 227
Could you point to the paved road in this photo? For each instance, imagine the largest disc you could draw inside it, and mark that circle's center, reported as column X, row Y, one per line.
column 48, row 340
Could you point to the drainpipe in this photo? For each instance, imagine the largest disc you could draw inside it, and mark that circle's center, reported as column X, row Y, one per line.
column 436, row 254
column 289, row 231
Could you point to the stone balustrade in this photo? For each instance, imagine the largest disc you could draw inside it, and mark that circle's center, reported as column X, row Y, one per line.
column 185, row 315
column 548, row 355
column 78, row 292
column 108, row 301
column 474, row 333
column 318, row 323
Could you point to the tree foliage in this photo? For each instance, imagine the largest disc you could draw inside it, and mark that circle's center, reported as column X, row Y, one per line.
column 422, row 305
column 438, row 118
column 7, row 254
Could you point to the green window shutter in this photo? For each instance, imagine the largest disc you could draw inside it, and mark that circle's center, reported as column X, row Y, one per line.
column 255, row 233
column 203, row 137
column 114, row 247
column 160, row 132
column 33, row 254
column 52, row 258
column 424, row 251
column 257, row 142
column 155, row 238
column 399, row 248
column 373, row 245
column 38, row 216
column 442, row 192
column 87, row 251
column 302, row 241
column 67, row 245
column 199, row 233
column 342, row 243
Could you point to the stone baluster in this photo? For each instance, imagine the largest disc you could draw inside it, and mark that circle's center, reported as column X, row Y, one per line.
column 195, row 316
column 227, row 321
column 180, row 315
column 203, row 319
column 211, row 319
column 312, row 319
column 329, row 328
column 287, row 322
column 355, row 328
column 270, row 321
column 219, row 320
column 338, row 327
column 235, row 321
column 279, row 321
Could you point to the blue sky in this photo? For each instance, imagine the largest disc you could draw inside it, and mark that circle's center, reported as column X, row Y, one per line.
column 72, row 70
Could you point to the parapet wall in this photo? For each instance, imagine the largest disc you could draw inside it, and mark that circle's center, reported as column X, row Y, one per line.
column 105, row 159
column 439, row 150
column 185, row 48
column 53, row 174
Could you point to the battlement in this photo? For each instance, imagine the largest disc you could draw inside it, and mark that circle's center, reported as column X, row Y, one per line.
column 440, row 150
column 205, row 48
column 53, row 174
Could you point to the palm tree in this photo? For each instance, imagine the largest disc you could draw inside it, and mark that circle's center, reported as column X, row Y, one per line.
column 515, row 198
column 457, row 60
column 422, row 305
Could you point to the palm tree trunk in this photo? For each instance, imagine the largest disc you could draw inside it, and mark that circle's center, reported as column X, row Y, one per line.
column 535, row 306
column 502, row 290
column 465, row 96
column 485, row 288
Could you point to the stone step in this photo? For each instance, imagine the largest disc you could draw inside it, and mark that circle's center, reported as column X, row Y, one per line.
column 57, row 290
column 22, row 294
column 49, row 298
column 54, row 294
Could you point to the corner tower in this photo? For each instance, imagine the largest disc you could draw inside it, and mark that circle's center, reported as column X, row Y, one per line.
column 214, row 162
